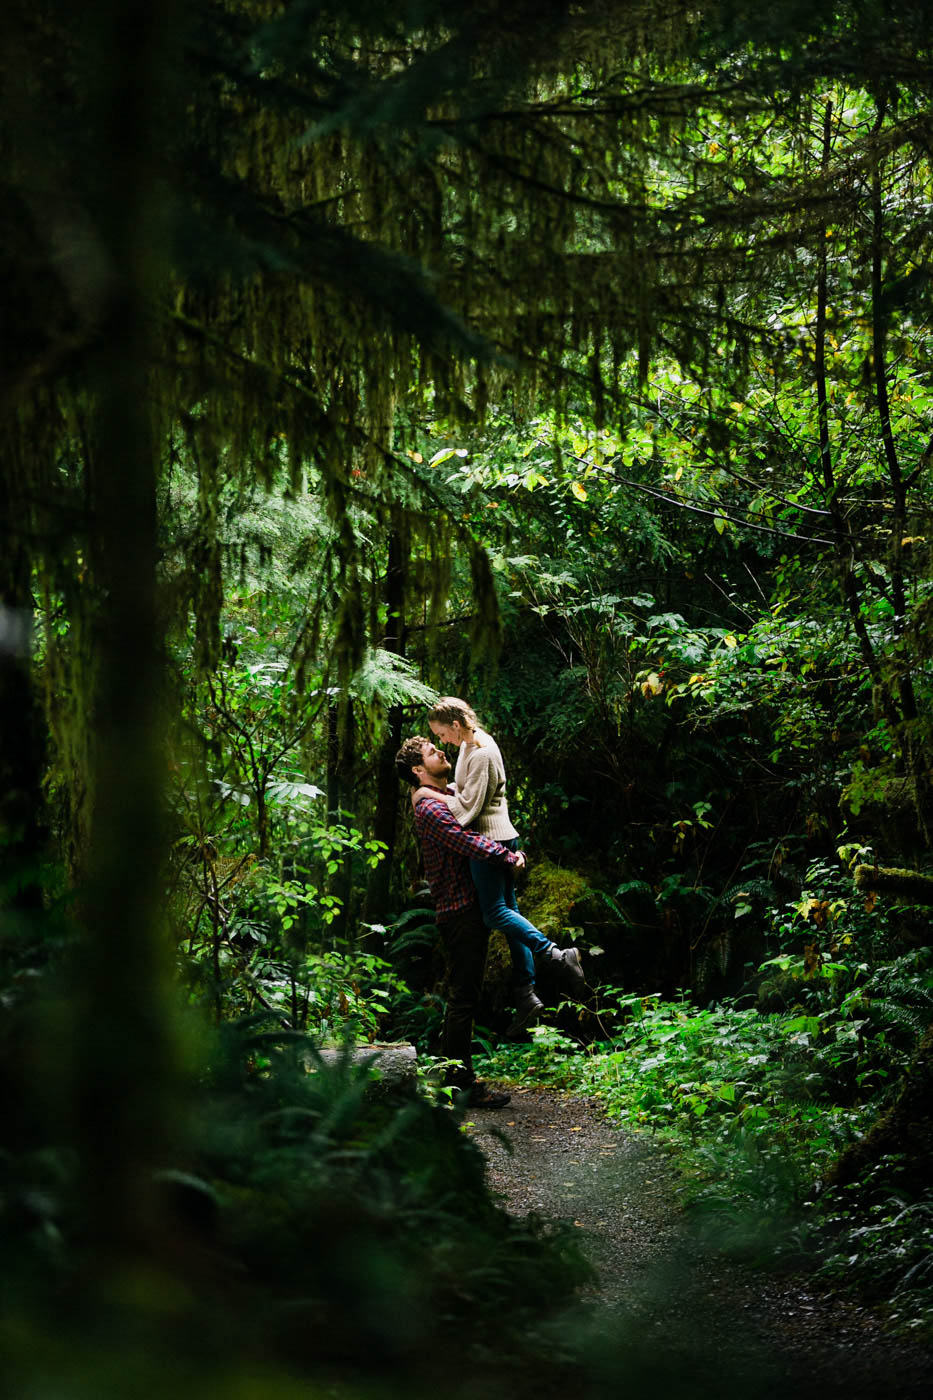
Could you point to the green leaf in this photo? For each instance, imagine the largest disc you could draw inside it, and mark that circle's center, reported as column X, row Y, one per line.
column 445, row 455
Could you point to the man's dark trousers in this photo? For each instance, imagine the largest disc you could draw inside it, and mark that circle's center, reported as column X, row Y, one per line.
column 466, row 939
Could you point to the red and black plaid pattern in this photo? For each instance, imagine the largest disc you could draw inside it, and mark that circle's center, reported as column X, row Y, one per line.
column 447, row 847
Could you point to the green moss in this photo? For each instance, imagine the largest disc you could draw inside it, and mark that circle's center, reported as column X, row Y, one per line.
column 908, row 885
column 551, row 895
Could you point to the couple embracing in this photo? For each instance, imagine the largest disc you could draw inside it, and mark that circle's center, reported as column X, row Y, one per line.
column 470, row 852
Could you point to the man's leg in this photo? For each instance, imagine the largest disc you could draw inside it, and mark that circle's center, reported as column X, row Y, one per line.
column 466, row 939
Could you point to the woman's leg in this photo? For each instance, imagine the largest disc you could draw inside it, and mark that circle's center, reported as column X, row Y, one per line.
column 495, row 888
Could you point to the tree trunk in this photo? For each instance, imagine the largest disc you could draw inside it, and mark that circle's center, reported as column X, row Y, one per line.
column 385, row 819
column 844, row 546
column 123, row 1057
column 341, row 786
column 915, row 757
column 22, row 749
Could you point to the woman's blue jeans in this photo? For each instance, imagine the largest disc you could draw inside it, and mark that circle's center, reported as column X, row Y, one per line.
column 495, row 887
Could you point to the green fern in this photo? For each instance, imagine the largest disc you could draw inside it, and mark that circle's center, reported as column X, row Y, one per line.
column 893, row 1013
column 900, row 997
column 388, row 679
column 755, row 888
column 415, row 929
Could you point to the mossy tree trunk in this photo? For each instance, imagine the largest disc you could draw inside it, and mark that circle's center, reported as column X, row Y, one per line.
column 122, row 1054
column 341, row 789
column 22, row 747
column 385, row 819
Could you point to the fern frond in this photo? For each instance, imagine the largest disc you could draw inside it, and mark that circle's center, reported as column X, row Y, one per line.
column 893, row 1015
column 422, row 936
column 389, row 679
column 755, row 888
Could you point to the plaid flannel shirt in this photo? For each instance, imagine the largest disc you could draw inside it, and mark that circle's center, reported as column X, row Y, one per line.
column 447, row 847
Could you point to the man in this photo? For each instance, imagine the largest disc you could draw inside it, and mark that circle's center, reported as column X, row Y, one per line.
column 447, row 848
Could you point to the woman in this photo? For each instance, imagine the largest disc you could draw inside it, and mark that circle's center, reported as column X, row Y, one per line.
column 478, row 801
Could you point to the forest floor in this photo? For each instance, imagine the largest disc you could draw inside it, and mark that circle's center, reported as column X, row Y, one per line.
column 667, row 1308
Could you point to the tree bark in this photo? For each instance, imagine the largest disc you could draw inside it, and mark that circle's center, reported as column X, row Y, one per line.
column 22, row 748
column 123, row 1056
column 913, row 748
column 341, row 785
column 385, row 818
column 845, row 549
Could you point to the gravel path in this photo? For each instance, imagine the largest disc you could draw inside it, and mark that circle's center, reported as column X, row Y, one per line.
column 670, row 1313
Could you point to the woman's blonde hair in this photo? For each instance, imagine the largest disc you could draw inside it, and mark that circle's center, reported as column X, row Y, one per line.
column 448, row 709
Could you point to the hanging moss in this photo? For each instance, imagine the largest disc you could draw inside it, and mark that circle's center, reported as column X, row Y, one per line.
column 357, row 212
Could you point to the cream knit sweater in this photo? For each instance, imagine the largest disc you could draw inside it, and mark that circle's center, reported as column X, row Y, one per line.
column 479, row 801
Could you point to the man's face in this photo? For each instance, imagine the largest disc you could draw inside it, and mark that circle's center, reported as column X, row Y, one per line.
column 434, row 763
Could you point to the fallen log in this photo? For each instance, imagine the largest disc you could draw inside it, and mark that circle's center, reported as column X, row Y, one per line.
column 395, row 1061
column 909, row 886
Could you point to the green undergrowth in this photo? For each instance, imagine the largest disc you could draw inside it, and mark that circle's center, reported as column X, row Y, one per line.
column 754, row 1109
column 317, row 1232
column 735, row 1092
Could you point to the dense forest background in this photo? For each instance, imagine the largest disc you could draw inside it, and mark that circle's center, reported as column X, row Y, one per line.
column 572, row 359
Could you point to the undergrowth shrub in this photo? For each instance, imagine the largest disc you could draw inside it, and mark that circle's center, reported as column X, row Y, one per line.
column 757, row 1107
column 879, row 1239
column 309, row 1231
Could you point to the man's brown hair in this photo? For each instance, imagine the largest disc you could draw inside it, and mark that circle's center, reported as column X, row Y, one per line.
column 409, row 757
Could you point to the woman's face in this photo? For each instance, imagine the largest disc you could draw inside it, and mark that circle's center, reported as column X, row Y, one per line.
column 448, row 733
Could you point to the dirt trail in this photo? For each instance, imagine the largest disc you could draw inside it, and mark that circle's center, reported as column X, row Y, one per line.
column 672, row 1313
